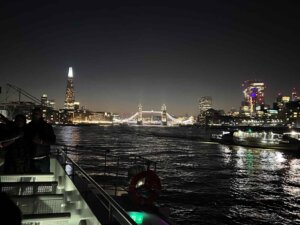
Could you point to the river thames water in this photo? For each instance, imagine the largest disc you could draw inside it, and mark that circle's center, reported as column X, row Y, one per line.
column 204, row 182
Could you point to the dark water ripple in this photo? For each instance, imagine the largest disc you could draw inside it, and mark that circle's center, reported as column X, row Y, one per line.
column 203, row 183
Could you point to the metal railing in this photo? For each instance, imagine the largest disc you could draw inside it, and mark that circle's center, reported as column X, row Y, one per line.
column 107, row 162
column 114, row 210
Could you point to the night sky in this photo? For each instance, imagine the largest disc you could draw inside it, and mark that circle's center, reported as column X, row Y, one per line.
column 150, row 52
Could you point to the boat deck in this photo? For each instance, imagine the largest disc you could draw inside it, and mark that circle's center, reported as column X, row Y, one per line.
column 68, row 195
column 48, row 198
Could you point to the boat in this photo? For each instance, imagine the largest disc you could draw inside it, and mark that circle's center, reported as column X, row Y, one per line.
column 69, row 195
column 259, row 139
column 225, row 137
column 293, row 136
column 263, row 139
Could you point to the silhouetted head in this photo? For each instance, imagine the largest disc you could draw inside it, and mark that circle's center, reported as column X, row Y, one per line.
column 20, row 120
column 9, row 211
column 37, row 114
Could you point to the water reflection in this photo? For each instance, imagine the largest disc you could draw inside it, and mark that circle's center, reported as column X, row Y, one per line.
column 265, row 180
column 226, row 153
column 272, row 160
column 69, row 135
column 292, row 179
column 242, row 160
column 203, row 183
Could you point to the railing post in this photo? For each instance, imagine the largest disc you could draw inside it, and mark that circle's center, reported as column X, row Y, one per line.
column 109, row 213
column 117, row 174
column 66, row 150
column 118, row 165
column 73, row 171
column 57, row 152
column 148, row 164
column 105, row 163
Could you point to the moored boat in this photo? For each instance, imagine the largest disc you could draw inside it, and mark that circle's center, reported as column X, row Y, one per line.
column 225, row 137
column 263, row 139
column 259, row 139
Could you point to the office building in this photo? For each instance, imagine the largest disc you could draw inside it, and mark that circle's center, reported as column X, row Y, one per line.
column 254, row 97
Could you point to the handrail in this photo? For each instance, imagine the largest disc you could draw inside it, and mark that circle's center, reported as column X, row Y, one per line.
column 135, row 157
column 11, row 139
column 112, row 204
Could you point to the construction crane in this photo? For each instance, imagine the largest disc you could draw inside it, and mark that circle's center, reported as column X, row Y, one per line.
column 24, row 93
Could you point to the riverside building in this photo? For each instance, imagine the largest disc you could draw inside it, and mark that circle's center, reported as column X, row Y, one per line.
column 254, row 97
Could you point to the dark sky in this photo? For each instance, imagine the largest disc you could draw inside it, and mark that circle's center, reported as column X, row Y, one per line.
column 150, row 52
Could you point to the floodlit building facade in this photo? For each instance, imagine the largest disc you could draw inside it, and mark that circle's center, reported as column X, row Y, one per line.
column 205, row 103
column 254, row 97
column 70, row 94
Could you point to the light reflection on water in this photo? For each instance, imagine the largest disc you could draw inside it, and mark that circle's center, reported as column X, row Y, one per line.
column 203, row 183
column 292, row 178
column 69, row 135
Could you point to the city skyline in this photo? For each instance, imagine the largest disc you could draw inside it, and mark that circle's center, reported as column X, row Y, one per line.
column 150, row 53
column 24, row 98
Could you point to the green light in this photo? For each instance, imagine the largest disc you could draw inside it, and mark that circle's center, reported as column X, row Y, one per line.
column 249, row 160
column 137, row 217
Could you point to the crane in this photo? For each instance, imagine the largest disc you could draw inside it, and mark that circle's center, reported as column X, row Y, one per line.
column 24, row 93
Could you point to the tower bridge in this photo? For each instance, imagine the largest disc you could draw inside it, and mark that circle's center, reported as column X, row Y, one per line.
column 152, row 117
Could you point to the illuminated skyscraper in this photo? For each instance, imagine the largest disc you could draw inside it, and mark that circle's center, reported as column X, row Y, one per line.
column 205, row 103
column 254, row 96
column 44, row 100
column 281, row 102
column 294, row 95
column 70, row 95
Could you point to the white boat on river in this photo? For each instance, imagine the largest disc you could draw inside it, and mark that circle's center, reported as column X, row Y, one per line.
column 263, row 139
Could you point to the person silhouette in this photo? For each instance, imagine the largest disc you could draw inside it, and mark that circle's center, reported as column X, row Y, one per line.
column 40, row 136
column 17, row 152
column 9, row 211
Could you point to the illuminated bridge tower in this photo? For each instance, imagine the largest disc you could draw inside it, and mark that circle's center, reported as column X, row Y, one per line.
column 164, row 115
column 70, row 95
column 140, row 115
